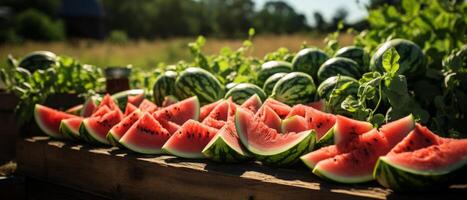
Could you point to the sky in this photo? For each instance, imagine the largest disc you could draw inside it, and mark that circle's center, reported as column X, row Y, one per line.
column 327, row 8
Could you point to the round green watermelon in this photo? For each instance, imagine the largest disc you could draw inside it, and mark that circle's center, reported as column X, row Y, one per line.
column 271, row 82
column 242, row 91
column 309, row 60
column 339, row 66
column 327, row 86
column 412, row 62
column 230, row 85
column 198, row 82
column 271, row 67
column 294, row 88
column 357, row 54
column 164, row 86
column 38, row 60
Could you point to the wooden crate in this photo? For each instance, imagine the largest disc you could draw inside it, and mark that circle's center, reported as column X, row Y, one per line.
column 116, row 173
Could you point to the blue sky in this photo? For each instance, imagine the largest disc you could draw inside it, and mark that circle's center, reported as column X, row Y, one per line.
column 356, row 10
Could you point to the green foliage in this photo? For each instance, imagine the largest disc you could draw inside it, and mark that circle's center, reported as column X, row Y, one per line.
column 32, row 24
column 68, row 76
column 118, row 37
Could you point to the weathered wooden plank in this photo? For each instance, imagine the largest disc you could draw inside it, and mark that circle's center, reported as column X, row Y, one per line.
column 116, row 173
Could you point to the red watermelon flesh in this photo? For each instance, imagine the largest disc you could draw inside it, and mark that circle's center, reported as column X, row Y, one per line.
column 109, row 102
column 148, row 106
column 89, row 107
column 101, row 111
column 70, row 127
column 117, row 131
column 218, row 115
column 190, row 140
column 312, row 158
column 252, row 104
column 75, row 110
column 321, row 122
column 98, row 127
column 130, row 108
column 419, row 138
column 168, row 125
column 318, row 105
column 145, row 136
column 435, row 158
column 392, row 129
column 180, row 112
column 298, row 109
column 206, row 109
column 280, row 108
column 346, row 130
column 48, row 119
column 270, row 118
column 294, row 124
column 136, row 99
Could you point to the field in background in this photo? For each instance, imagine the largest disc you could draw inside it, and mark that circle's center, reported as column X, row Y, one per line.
column 146, row 54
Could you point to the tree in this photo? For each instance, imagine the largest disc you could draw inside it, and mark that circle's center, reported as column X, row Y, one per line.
column 278, row 17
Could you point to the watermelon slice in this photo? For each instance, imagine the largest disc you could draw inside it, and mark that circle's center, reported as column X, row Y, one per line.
column 318, row 105
column 298, row 109
column 48, row 120
column 270, row 118
column 252, row 104
column 148, row 106
column 280, row 108
column 319, row 121
column 89, row 106
column 70, row 127
column 75, row 110
column 294, row 124
column 130, row 108
column 218, row 116
column 145, row 136
column 346, row 130
column 116, row 132
column 95, row 129
column 206, row 109
column 268, row 146
column 168, row 125
column 190, row 140
column 107, row 101
column 422, row 161
column 101, row 111
column 357, row 165
column 135, row 100
column 180, row 112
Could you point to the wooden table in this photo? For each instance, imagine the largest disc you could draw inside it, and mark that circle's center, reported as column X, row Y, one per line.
column 117, row 173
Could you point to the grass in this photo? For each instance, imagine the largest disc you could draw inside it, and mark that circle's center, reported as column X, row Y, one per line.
column 146, row 54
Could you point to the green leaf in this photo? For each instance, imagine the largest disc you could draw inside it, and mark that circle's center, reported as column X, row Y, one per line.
column 391, row 61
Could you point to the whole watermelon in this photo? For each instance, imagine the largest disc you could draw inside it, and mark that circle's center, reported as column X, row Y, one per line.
column 309, row 60
column 196, row 81
column 271, row 82
column 327, row 86
column 164, row 86
column 338, row 66
column 38, row 60
column 412, row 62
column 356, row 54
column 271, row 67
column 242, row 91
column 295, row 88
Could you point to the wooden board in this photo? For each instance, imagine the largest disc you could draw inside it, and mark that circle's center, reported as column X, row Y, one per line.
column 116, row 173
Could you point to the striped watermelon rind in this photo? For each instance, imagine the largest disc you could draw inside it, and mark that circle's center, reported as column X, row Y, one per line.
column 219, row 150
column 309, row 60
column 164, row 86
column 242, row 91
column 272, row 67
column 294, row 88
column 66, row 130
column 198, row 82
column 85, row 134
column 412, row 60
column 338, row 66
column 327, row 86
column 357, row 54
column 271, row 82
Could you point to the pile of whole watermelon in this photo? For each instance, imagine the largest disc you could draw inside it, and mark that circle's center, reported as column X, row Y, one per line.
column 292, row 112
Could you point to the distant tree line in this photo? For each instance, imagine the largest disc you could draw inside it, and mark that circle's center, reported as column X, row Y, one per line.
column 41, row 20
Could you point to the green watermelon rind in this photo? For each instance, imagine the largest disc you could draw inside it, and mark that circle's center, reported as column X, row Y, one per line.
column 317, row 57
column 41, row 125
column 121, row 98
column 220, row 151
column 401, row 178
column 66, row 131
column 327, row 86
column 357, row 54
column 241, row 92
column 294, row 88
column 340, row 179
column 272, row 67
column 198, row 82
column 326, row 140
column 336, row 66
column 164, row 86
column 112, row 140
column 88, row 135
column 270, row 82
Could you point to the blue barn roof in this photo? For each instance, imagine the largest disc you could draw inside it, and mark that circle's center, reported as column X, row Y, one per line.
column 81, row 8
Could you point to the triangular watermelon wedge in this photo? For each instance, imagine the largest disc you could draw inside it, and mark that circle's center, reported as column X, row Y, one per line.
column 95, row 129
column 116, row 132
column 180, row 112
column 145, row 136
column 70, row 127
column 252, row 104
column 48, row 120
